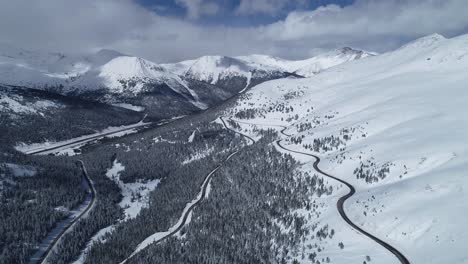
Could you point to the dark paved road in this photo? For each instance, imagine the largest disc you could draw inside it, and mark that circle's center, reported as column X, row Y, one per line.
column 341, row 200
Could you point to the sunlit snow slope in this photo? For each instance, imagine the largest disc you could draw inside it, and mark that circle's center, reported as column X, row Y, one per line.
column 401, row 121
column 311, row 66
column 106, row 71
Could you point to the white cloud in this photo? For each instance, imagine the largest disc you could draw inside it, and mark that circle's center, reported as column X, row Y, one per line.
column 197, row 8
column 68, row 25
column 268, row 7
column 374, row 18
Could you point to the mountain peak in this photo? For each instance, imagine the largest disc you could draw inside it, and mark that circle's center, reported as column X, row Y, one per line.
column 130, row 67
column 346, row 49
column 218, row 61
column 425, row 41
column 213, row 68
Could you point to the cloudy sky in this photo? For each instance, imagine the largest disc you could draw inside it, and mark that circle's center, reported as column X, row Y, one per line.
column 173, row 30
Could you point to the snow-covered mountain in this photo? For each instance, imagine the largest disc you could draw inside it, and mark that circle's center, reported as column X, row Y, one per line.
column 106, row 76
column 129, row 75
column 104, row 69
column 38, row 68
column 215, row 69
column 394, row 126
column 111, row 77
column 212, row 69
column 227, row 72
column 179, row 68
column 308, row 67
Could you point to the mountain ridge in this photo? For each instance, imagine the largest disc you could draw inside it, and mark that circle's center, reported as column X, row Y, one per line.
column 111, row 77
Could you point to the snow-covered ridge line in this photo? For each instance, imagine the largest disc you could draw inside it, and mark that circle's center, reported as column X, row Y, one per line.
column 211, row 69
column 311, row 66
column 123, row 77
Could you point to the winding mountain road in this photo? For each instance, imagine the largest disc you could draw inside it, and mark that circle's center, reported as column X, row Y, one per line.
column 340, row 204
column 202, row 196
column 43, row 254
column 159, row 237
column 53, row 239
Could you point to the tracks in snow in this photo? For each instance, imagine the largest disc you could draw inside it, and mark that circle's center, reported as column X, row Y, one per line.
column 340, row 204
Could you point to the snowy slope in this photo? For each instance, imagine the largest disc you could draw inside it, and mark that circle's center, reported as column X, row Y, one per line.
column 45, row 62
column 226, row 72
column 128, row 74
column 111, row 77
column 179, row 68
column 105, row 68
column 404, row 110
column 12, row 104
column 308, row 67
column 39, row 69
column 211, row 69
column 132, row 206
column 312, row 66
column 162, row 90
column 109, row 73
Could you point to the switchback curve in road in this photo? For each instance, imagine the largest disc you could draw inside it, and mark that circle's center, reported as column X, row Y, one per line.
column 340, row 204
column 340, row 207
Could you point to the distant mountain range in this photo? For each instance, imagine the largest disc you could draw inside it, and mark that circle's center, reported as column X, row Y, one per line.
column 161, row 90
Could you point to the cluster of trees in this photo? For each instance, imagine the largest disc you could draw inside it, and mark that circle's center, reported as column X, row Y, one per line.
column 304, row 126
column 282, row 108
column 32, row 205
column 71, row 118
column 371, row 172
column 296, row 140
column 293, row 94
column 105, row 212
column 144, row 159
column 326, row 144
column 252, row 201
column 247, row 114
column 180, row 183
